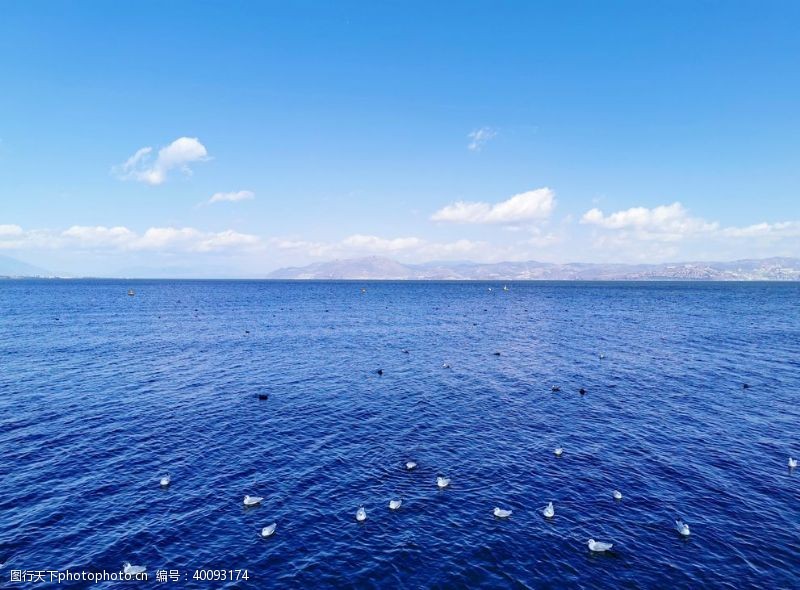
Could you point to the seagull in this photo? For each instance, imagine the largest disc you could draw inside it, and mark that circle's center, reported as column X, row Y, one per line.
column 559, row 451
column 165, row 480
column 361, row 514
column 682, row 528
column 395, row 504
column 404, row 351
column 411, row 465
column 132, row 570
column 601, row 356
column 549, row 511
column 792, row 463
column 252, row 500
column 582, row 391
column 442, row 482
column 497, row 354
column 263, row 396
column 617, row 494
column 500, row 513
column 268, row 531
column 555, row 388
column 745, row 386
column 599, row 546
column 446, row 366
column 379, row 371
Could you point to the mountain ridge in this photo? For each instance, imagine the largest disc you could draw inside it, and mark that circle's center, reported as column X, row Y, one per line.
column 380, row 268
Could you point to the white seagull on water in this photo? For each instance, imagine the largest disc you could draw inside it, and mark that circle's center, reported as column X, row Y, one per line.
column 165, row 480
column 395, row 504
column 599, row 546
column 411, row 465
column 361, row 514
column 549, row 511
column 252, row 500
column 792, row 463
column 682, row 528
column 442, row 482
column 617, row 494
column 500, row 513
column 268, row 531
column 132, row 570
column 559, row 451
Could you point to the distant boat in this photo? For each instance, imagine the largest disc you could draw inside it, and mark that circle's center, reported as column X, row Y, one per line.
column 131, row 292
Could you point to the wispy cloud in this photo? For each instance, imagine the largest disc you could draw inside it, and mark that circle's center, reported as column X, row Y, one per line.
column 479, row 137
column 528, row 206
column 232, row 197
column 143, row 167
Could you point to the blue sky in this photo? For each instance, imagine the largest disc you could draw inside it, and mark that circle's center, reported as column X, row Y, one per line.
column 556, row 131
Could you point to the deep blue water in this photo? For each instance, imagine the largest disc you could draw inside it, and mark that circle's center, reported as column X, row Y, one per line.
column 100, row 393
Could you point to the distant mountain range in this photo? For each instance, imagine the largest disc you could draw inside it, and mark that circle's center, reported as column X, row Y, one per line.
column 11, row 267
column 377, row 268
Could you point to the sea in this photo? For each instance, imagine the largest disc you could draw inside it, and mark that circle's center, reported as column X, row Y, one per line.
column 691, row 409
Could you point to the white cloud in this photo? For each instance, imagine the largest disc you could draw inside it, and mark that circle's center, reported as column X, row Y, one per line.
column 376, row 244
column 528, row 206
column 10, row 230
column 663, row 223
column 121, row 239
column 780, row 230
column 178, row 155
column 232, row 197
column 479, row 137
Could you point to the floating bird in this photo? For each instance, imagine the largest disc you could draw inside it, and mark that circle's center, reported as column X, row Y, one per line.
column 599, row 546
column 395, row 504
column 582, row 391
column 252, row 500
column 617, row 494
column 446, row 366
column 500, row 513
column 379, row 371
column 442, row 482
column 361, row 514
column 263, row 396
column 268, row 531
column 682, row 528
column 555, row 388
column 404, row 351
column 792, row 463
column 132, row 570
column 745, row 386
column 559, row 451
column 497, row 353
column 411, row 465
column 165, row 480
column 549, row 511
column 601, row 356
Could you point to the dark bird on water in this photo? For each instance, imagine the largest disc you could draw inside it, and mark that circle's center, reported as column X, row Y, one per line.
column 496, row 354
column 379, row 371
column 263, row 396
column 404, row 351
column 745, row 386
column 555, row 388
column 582, row 391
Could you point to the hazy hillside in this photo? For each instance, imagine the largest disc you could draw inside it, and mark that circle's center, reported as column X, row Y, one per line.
column 376, row 268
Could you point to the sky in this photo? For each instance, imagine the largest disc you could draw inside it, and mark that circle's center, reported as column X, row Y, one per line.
column 233, row 138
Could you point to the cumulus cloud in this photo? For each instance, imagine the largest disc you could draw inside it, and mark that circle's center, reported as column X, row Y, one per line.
column 232, row 197
column 532, row 205
column 780, row 230
column 479, row 137
column 143, row 167
column 361, row 245
column 118, row 239
column 664, row 223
